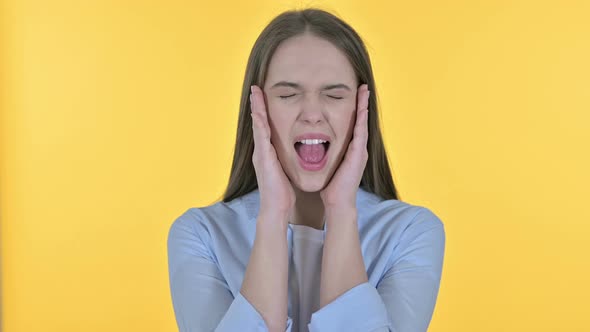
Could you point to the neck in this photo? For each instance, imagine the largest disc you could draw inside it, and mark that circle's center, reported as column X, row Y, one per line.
column 309, row 209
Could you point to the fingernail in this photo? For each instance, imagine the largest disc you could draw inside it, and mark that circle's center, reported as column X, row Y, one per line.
column 252, row 88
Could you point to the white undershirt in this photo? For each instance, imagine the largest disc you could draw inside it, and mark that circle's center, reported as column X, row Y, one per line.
column 304, row 274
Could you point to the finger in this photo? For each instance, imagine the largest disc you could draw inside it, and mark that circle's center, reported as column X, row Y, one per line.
column 259, row 103
column 362, row 97
column 360, row 135
column 259, row 107
column 362, row 105
column 258, row 131
column 361, row 130
column 262, row 142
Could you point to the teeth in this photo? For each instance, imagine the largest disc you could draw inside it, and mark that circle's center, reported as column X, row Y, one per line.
column 312, row 141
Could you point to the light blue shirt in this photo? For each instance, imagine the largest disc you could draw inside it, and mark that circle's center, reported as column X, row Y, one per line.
column 402, row 246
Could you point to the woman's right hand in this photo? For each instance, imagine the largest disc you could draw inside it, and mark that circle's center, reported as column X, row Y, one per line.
column 277, row 197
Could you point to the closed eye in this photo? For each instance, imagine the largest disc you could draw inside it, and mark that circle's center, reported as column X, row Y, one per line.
column 285, row 97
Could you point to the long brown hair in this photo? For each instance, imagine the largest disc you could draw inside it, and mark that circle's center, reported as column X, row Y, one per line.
column 377, row 175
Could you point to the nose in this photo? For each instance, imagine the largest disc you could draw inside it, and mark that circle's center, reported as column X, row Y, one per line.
column 311, row 111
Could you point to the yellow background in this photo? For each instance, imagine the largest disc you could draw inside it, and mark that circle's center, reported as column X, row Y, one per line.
column 117, row 116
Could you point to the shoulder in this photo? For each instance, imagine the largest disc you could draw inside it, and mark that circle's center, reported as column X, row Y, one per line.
column 380, row 212
column 206, row 222
column 393, row 219
column 394, row 231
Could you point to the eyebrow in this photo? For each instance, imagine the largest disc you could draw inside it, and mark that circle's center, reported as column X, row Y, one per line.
column 297, row 86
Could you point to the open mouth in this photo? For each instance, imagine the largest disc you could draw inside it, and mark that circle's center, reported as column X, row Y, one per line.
column 312, row 153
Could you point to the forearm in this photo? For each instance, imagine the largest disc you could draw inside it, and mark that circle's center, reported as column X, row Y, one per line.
column 265, row 280
column 342, row 263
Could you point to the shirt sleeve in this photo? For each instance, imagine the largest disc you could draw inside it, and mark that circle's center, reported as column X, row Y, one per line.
column 404, row 298
column 201, row 297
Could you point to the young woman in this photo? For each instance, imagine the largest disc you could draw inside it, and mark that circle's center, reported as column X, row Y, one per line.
column 310, row 235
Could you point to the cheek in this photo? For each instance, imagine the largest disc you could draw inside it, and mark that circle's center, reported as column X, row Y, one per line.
column 280, row 127
column 344, row 122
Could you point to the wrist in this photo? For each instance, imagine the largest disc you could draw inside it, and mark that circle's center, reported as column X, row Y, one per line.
column 276, row 218
column 340, row 214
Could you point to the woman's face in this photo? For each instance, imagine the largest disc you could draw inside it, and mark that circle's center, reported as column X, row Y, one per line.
column 311, row 93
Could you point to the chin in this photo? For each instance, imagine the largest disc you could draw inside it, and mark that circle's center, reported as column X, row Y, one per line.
column 311, row 182
column 310, row 186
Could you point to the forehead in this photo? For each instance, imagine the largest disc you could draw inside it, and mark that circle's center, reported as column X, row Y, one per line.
column 310, row 60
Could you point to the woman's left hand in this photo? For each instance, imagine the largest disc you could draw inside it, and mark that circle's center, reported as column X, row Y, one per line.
column 342, row 189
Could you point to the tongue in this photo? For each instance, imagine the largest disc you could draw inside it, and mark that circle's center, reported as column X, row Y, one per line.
column 311, row 153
